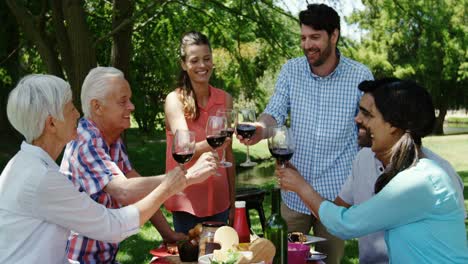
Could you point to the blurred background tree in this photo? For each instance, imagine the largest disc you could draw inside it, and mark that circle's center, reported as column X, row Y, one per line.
column 422, row 39
column 68, row 38
column 419, row 39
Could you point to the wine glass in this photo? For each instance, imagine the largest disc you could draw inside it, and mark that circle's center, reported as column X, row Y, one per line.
column 183, row 147
column 216, row 132
column 231, row 118
column 281, row 144
column 246, row 129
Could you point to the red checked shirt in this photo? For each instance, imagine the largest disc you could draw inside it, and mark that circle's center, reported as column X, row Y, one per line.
column 90, row 164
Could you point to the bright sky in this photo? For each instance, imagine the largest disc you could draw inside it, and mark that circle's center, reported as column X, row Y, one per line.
column 347, row 7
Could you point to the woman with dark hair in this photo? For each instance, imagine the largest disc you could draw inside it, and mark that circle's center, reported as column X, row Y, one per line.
column 416, row 203
column 188, row 107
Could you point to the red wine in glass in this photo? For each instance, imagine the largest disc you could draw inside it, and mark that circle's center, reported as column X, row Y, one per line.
column 182, row 157
column 245, row 130
column 281, row 144
column 282, row 155
column 215, row 135
column 183, row 147
column 231, row 118
column 216, row 141
column 229, row 131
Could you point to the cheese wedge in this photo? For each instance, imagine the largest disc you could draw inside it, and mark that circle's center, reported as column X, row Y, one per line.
column 227, row 237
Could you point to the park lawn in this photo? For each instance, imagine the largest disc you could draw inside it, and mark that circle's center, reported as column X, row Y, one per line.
column 148, row 155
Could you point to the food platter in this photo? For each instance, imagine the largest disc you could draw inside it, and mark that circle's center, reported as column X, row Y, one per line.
column 206, row 259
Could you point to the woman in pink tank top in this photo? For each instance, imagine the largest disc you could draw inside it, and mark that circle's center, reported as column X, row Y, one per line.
column 188, row 107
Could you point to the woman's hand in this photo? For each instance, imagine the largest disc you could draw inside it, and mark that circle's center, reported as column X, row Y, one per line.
column 175, row 180
column 206, row 165
column 289, row 178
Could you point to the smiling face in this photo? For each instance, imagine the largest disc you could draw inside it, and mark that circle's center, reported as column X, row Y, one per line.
column 116, row 109
column 198, row 63
column 371, row 124
column 317, row 45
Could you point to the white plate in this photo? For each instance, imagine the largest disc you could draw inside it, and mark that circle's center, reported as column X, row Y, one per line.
column 315, row 255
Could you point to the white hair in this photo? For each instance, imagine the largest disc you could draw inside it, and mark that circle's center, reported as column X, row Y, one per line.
column 34, row 98
column 96, row 85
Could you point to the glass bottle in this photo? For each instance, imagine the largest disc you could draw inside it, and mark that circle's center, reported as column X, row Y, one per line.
column 276, row 229
column 240, row 222
column 207, row 245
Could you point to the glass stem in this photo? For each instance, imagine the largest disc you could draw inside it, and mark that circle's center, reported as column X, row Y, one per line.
column 248, row 154
column 224, row 155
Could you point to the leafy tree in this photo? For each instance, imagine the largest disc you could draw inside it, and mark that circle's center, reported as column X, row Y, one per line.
column 419, row 39
column 140, row 37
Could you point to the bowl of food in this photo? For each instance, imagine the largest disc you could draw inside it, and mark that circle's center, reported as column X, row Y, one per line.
column 297, row 253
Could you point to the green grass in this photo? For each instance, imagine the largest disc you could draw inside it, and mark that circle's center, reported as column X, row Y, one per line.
column 148, row 157
column 456, row 120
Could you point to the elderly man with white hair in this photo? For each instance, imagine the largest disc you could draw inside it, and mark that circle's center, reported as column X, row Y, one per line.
column 39, row 205
column 97, row 161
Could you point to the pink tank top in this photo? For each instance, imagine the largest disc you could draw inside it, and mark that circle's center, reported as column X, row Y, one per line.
column 211, row 196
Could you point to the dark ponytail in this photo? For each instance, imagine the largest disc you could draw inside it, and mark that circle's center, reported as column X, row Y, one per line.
column 405, row 105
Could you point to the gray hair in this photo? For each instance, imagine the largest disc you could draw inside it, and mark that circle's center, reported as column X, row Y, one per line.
column 96, row 85
column 34, row 98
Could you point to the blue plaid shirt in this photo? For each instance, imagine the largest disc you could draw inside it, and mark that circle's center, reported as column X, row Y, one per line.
column 322, row 113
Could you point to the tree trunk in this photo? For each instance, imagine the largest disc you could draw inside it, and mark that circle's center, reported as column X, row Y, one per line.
column 439, row 123
column 9, row 54
column 83, row 54
column 122, row 40
column 63, row 42
column 37, row 35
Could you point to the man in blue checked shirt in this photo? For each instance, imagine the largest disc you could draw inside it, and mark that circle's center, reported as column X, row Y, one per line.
column 320, row 92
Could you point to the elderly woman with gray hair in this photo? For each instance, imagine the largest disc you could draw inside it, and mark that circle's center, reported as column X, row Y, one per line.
column 39, row 205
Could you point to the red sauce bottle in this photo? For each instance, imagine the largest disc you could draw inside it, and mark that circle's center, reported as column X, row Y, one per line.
column 240, row 222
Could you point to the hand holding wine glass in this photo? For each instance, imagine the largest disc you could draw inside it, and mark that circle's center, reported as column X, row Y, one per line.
column 281, row 144
column 289, row 179
column 231, row 118
column 246, row 129
column 206, row 165
column 183, row 147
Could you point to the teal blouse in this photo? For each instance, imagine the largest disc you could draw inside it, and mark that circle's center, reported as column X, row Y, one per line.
column 420, row 212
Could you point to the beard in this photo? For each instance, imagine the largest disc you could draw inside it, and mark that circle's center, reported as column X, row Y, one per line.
column 364, row 140
column 323, row 55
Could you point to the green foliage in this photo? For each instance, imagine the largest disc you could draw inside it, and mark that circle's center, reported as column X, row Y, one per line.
column 250, row 37
column 248, row 40
column 423, row 40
